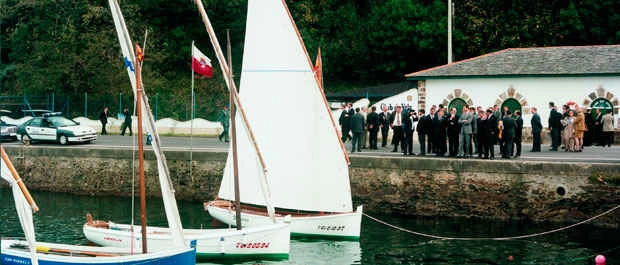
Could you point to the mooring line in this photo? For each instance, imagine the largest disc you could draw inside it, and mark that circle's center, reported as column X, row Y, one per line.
column 490, row 238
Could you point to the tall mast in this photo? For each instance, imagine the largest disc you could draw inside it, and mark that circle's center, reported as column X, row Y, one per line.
column 233, row 127
column 141, row 153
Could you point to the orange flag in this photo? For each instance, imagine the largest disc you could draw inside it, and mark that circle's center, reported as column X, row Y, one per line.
column 139, row 53
column 318, row 69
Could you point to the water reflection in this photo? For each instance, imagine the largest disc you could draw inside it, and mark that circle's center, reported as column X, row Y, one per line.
column 62, row 216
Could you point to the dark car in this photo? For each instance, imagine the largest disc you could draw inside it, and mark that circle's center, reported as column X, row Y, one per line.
column 7, row 131
column 52, row 127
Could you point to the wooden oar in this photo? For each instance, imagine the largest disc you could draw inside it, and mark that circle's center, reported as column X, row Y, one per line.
column 44, row 249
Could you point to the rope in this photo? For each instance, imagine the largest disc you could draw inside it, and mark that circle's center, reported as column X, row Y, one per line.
column 490, row 238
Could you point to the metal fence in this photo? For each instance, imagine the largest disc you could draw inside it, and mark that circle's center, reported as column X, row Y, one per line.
column 90, row 106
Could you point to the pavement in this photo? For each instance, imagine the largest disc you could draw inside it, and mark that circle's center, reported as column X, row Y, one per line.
column 591, row 154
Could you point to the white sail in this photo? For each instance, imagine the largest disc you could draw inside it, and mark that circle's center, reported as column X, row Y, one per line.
column 307, row 168
column 170, row 204
column 24, row 211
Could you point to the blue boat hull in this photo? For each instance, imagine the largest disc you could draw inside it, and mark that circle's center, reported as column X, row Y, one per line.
column 172, row 257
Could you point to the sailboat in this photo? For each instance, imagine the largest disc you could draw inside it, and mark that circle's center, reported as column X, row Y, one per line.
column 270, row 241
column 291, row 122
column 29, row 251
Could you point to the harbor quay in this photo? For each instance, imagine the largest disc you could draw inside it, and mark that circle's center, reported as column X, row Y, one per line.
column 540, row 191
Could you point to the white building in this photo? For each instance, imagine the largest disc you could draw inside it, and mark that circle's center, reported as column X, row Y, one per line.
column 522, row 78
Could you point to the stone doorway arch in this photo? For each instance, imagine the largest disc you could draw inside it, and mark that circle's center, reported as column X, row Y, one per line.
column 457, row 96
column 601, row 95
column 458, row 104
column 512, row 97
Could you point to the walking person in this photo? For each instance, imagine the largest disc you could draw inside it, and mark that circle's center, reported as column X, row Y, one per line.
column 357, row 127
column 126, row 123
column 224, row 120
column 103, row 118
column 384, row 123
column 608, row 129
column 373, row 127
column 422, row 131
column 536, row 130
column 396, row 122
column 508, row 133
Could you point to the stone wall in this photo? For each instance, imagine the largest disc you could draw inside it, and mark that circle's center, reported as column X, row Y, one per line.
column 539, row 191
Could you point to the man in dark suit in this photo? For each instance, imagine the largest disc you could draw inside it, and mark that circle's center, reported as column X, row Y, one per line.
column 454, row 128
column 518, row 133
column 555, row 127
column 588, row 139
column 384, row 123
column 429, row 132
column 396, row 123
column 372, row 121
column 598, row 128
column 439, row 133
column 345, row 122
column 536, row 130
column 422, row 131
column 357, row 127
column 492, row 132
column 103, row 118
column 408, row 129
column 483, row 134
column 508, row 133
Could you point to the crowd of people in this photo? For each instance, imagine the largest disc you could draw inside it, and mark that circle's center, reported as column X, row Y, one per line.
column 475, row 131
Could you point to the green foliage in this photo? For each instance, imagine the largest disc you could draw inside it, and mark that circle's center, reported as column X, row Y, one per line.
column 70, row 47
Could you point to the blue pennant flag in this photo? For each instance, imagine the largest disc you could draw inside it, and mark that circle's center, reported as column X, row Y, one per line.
column 128, row 64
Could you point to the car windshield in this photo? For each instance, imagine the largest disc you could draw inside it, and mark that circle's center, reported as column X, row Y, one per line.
column 61, row 121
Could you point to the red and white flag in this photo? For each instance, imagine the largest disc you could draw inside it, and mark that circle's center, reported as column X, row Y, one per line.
column 201, row 63
column 318, row 68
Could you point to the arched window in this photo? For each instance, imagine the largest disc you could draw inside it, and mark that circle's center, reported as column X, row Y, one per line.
column 457, row 103
column 603, row 104
column 512, row 104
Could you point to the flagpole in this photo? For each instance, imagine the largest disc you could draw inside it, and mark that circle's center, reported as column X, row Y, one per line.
column 191, row 128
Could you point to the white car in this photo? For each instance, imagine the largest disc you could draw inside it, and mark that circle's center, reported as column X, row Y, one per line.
column 54, row 128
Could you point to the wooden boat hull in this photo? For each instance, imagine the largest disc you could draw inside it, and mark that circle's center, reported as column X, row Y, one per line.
column 338, row 226
column 54, row 254
column 269, row 241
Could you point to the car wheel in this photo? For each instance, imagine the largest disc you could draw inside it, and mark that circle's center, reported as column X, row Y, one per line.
column 63, row 140
column 26, row 139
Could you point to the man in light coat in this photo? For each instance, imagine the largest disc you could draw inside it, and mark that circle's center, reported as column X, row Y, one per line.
column 465, row 121
column 357, row 127
column 608, row 129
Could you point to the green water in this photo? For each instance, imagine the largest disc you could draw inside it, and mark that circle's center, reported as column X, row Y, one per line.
column 61, row 218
